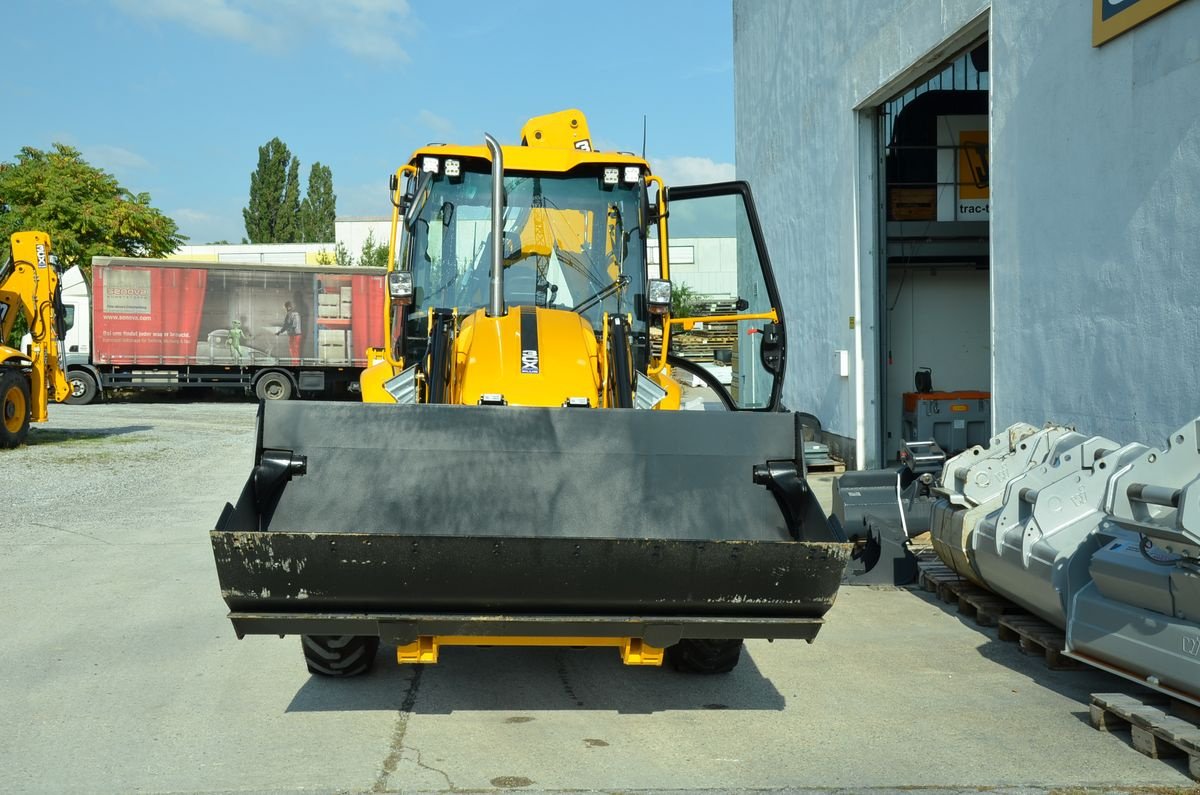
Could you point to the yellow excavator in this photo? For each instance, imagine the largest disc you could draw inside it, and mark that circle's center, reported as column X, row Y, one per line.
column 29, row 285
column 519, row 472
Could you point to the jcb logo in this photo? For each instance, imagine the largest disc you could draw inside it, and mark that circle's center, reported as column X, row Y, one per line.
column 1191, row 645
column 529, row 361
column 41, row 255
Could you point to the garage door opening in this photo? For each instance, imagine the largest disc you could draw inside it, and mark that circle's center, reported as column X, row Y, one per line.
column 934, row 292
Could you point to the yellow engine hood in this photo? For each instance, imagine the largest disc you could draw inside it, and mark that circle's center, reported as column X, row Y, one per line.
column 531, row 356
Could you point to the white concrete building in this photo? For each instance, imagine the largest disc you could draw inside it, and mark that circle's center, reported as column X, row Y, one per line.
column 353, row 231
column 259, row 253
column 1006, row 192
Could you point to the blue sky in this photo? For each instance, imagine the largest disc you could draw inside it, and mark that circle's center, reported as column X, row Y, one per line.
column 175, row 96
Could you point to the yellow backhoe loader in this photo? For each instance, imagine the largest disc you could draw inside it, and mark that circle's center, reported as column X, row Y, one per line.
column 29, row 286
column 519, row 472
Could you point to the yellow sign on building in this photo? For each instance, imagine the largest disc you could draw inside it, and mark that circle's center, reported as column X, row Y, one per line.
column 974, row 178
column 1111, row 18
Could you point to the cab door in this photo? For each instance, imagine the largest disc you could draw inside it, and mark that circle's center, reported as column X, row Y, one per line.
column 725, row 332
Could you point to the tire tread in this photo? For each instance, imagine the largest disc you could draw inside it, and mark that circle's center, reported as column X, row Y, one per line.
column 339, row 655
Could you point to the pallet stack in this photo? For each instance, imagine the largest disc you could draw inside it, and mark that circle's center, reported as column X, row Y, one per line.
column 703, row 345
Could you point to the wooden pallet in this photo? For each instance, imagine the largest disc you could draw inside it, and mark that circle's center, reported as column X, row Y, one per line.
column 835, row 467
column 1035, row 636
column 938, row 578
column 988, row 609
column 984, row 606
column 1158, row 727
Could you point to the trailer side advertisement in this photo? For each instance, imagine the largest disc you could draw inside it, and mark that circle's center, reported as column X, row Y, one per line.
column 252, row 318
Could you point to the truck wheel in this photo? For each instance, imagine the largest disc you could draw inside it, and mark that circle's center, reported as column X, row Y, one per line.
column 83, row 387
column 702, row 656
column 273, row 386
column 14, row 407
column 339, row 655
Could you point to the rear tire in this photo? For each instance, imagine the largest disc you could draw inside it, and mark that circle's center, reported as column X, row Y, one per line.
column 339, row 655
column 14, row 407
column 273, row 386
column 83, row 388
column 705, row 656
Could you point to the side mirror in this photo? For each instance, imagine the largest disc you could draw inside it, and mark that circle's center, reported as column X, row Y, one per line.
column 408, row 204
column 400, row 287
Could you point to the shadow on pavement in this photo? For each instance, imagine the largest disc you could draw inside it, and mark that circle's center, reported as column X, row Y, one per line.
column 38, row 435
column 536, row 679
column 1075, row 683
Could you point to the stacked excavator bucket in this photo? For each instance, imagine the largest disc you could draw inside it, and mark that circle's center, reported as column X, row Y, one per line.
column 1098, row 538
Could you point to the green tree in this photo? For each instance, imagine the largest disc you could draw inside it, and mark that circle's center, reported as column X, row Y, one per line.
column 319, row 208
column 288, row 229
column 84, row 209
column 374, row 255
column 685, row 301
column 274, row 189
column 341, row 255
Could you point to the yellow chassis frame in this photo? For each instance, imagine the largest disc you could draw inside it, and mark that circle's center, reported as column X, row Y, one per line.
column 425, row 649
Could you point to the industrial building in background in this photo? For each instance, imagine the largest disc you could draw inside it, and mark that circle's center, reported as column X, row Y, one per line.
column 987, row 211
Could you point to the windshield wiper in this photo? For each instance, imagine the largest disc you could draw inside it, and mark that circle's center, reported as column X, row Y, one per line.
column 621, row 283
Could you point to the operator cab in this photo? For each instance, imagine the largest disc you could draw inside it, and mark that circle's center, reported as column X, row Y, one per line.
column 571, row 241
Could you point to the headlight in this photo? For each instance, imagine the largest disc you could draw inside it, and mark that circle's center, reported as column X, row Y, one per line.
column 612, row 176
column 400, row 286
column 430, row 164
column 658, row 296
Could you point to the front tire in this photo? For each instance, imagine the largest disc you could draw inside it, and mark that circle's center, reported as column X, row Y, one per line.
column 339, row 655
column 83, row 388
column 705, row 656
column 273, row 386
column 14, row 407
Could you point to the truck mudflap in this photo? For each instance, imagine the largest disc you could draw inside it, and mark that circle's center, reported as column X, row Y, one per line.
column 403, row 521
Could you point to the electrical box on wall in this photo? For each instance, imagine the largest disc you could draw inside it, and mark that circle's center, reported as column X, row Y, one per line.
column 841, row 362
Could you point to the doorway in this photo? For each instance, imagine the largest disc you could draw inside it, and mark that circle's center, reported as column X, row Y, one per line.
column 933, row 276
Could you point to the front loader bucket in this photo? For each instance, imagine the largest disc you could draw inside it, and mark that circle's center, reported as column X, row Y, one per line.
column 401, row 521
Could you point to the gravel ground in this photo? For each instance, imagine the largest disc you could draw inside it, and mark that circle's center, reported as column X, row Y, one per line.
column 120, row 672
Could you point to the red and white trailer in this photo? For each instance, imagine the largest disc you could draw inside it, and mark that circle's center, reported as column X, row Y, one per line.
column 279, row 331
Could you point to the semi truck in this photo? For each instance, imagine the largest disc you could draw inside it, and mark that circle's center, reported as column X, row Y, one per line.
column 275, row 331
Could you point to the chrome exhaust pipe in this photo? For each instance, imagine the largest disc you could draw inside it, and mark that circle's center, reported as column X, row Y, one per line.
column 496, row 307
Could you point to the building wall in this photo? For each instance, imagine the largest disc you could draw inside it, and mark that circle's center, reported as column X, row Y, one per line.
column 800, row 69
column 706, row 264
column 1096, row 228
column 353, row 232
column 1095, row 200
column 264, row 253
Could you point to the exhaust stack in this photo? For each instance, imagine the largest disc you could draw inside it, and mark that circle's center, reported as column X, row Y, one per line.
column 496, row 307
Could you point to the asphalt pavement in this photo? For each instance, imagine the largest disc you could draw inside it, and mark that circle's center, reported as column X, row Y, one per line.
column 119, row 672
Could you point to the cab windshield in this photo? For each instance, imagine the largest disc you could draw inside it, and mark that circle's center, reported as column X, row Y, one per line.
column 570, row 242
